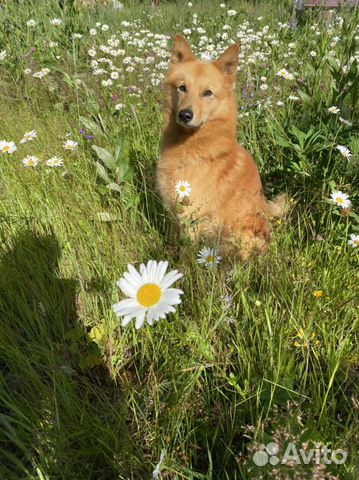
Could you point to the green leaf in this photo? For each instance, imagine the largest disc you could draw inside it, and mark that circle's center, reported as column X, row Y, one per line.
column 107, row 217
column 114, row 186
column 105, row 156
column 91, row 126
column 102, row 172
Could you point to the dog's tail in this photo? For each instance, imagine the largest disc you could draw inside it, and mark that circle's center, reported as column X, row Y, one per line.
column 278, row 207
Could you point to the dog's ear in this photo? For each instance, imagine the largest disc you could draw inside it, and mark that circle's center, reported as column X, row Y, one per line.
column 228, row 62
column 181, row 51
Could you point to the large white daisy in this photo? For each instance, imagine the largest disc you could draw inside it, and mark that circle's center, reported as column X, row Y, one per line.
column 150, row 297
column 7, row 147
column 341, row 199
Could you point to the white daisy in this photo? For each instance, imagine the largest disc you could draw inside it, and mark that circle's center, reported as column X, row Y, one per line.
column 31, row 23
column 344, row 151
column 285, row 74
column 119, row 106
column 70, row 145
column 54, row 162
column 7, row 147
column 28, row 136
column 150, row 297
column 345, row 122
column 56, row 22
column 183, row 189
column 334, row 110
column 354, row 240
column 30, row 161
column 208, row 257
column 341, row 199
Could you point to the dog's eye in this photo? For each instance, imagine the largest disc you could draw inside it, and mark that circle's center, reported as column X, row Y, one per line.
column 207, row 93
column 182, row 88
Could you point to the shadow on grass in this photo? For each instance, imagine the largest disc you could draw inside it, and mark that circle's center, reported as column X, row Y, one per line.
column 57, row 420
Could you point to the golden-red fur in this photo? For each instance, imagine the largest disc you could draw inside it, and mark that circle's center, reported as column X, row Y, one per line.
column 227, row 199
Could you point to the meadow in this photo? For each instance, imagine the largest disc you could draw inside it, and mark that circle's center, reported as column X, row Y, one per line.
column 256, row 352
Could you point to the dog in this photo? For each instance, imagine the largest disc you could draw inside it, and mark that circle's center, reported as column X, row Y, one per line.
column 199, row 146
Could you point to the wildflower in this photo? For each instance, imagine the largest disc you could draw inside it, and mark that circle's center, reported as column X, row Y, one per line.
column 183, row 189
column 354, row 240
column 7, row 147
column 344, row 151
column 119, row 106
column 345, row 122
column 56, row 22
column 208, row 257
column 54, row 162
column 3, row 55
column 27, row 71
column 335, row 110
column 294, row 98
column 305, row 340
column 30, row 161
column 31, row 23
column 150, row 297
column 285, row 74
column 42, row 73
column 77, row 36
column 341, row 199
column 70, row 145
column 313, row 54
column 257, row 303
column 93, row 31
column 104, row 27
column 231, row 13
column 318, row 293
column 190, row 4
column 28, row 136
column 187, row 31
column 91, row 52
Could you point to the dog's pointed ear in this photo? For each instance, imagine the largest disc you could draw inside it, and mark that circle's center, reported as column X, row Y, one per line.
column 228, row 61
column 181, row 51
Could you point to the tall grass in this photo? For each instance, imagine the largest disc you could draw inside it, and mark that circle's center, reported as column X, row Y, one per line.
column 257, row 352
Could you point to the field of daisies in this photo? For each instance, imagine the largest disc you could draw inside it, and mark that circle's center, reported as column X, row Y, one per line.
column 125, row 354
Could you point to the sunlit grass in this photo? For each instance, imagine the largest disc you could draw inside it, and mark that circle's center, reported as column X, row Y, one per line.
column 253, row 354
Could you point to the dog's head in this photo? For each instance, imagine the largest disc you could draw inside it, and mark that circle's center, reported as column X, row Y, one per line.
column 201, row 91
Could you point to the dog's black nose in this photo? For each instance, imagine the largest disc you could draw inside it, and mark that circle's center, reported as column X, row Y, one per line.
column 185, row 115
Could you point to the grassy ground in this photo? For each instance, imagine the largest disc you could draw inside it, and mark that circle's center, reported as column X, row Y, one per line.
column 256, row 353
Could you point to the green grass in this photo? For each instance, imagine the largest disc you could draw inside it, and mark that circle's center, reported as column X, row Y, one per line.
column 212, row 382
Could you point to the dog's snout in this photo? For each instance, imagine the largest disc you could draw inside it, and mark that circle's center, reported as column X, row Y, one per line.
column 185, row 115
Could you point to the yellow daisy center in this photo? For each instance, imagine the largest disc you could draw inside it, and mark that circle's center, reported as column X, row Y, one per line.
column 6, row 149
column 356, row 242
column 149, row 294
column 210, row 258
column 182, row 188
column 339, row 200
